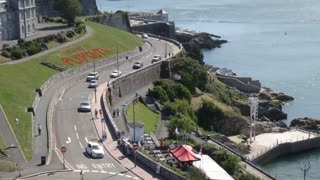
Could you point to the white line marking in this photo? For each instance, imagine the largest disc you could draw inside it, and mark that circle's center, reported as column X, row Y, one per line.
column 112, row 173
column 104, row 172
column 135, row 178
column 75, row 127
column 95, row 171
column 77, row 170
column 128, row 176
column 85, row 170
column 77, row 135
column 69, row 140
column 121, row 174
column 81, row 145
column 86, row 139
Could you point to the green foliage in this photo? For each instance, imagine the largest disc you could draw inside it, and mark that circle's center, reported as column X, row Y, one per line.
column 196, row 54
column 196, row 174
column 61, row 38
column 6, row 53
column 70, row 34
column 17, row 53
column 68, row 8
column 159, row 93
column 180, row 122
column 246, row 176
column 34, row 48
column 209, row 115
column 167, row 88
column 180, row 107
column 80, row 28
column 192, row 73
column 182, row 92
column 7, row 166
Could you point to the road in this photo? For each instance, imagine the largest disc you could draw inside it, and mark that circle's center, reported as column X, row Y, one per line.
column 74, row 129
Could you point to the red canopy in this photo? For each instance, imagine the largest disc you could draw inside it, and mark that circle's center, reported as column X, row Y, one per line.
column 184, row 153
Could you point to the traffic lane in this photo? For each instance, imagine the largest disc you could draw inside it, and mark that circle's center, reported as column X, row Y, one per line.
column 80, row 131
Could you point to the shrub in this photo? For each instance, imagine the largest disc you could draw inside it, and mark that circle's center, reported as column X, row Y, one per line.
column 5, row 46
column 6, row 53
column 196, row 174
column 70, row 34
column 81, row 28
column 20, row 41
column 61, row 38
column 17, row 53
column 34, row 48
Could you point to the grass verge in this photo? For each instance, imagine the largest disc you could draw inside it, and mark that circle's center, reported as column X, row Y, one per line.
column 145, row 115
column 2, row 145
column 18, row 81
column 7, row 166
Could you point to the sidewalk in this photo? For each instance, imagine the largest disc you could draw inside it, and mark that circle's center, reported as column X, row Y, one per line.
column 110, row 144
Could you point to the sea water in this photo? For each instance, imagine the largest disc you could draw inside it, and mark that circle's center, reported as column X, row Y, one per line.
column 274, row 41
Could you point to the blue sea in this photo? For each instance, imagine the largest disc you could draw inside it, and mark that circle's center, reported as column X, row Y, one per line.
column 274, row 41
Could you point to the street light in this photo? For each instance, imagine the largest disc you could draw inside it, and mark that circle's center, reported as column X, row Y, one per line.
column 17, row 123
column 304, row 169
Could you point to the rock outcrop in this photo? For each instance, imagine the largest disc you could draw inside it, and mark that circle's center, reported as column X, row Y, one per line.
column 200, row 40
column 306, row 123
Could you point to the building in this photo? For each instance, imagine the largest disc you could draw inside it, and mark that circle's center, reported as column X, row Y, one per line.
column 17, row 19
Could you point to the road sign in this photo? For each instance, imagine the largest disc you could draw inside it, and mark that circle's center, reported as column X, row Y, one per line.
column 63, row 149
column 135, row 147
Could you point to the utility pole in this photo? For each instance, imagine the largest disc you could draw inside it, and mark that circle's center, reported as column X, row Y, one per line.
column 117, row 58
column 134, row 121
column 304, row 169
column 253, row 103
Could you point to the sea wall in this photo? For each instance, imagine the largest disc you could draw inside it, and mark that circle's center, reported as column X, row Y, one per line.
column 165, row 29
column 117, row 20
column 287, row 149
column 244, row 84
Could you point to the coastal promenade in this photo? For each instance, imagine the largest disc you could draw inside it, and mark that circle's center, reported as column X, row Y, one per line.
column 269, row 146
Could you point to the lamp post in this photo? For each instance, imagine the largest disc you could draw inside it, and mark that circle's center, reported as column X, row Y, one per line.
column 117, row 59
column 134, row 117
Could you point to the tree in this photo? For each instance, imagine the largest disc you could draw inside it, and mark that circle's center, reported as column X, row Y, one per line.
column 196, row 54
column 182, row 92
column 68, row 8
column 209, row 115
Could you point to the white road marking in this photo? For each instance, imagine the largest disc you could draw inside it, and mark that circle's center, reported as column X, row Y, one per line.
column 113, row 173
column 86, row 139
column 75, row 127
column 121, row 174
column 69, row 140
column 94, row 171
column 85, row 170
column 135, row 178
column 104, row 172
column 81, row 166
column 77, row 135
column 128, row 176
column 103, row 165
column 77, row 170
column 81, row 145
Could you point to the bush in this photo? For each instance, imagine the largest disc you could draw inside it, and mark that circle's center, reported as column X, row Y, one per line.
column 81, row 28
column 70, row 34
column 5, row 46
column 20, row 41
column 196, row 174
column 6, row 53
column 61, row 38
column 34, row 48
column 17, row 53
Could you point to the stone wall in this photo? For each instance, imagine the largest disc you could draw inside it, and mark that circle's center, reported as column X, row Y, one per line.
column 287, row 149
column 244, row 84
column 165, row 29
column 117, row 20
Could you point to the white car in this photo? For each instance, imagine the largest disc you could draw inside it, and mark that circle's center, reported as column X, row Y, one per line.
column 95, row 150
column 115, row 74
column 84, row 106
column 156, row 58
column 93, row 76
column 144, row 35
column 137, row 65
column 93, row 83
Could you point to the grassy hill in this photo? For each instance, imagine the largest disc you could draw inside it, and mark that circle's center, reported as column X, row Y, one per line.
column 18, row 81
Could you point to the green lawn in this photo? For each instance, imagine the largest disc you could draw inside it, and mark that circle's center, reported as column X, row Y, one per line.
column 18, row 81
column 2, row 145
column 7, row 166
column 145, row 115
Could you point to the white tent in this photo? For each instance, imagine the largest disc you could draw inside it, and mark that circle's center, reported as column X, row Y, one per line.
column 211, row 168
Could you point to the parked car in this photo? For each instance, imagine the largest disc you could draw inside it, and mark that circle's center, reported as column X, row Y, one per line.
column 137, row 65
column 144, row 35
column 84, row 106
column 156, row 58
column 115, row 74
column 93, row 76
column 95, row 150
column 93, row 83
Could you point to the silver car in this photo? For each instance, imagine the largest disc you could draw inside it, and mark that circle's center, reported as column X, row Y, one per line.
column 115, row 74
column 93, row 83
column 84, row 106
column 92, row 76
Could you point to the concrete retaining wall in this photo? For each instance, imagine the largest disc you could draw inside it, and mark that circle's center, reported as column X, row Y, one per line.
column 164, row 29
column 244, row 84
column 287, row 149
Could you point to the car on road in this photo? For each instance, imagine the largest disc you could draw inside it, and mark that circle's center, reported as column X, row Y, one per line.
column 95, row 150
column 144, row 35
column 115, row 74
column 93, row 76
column 156, row 58
column 84, row 106
column 137, row 65
column 93, row 83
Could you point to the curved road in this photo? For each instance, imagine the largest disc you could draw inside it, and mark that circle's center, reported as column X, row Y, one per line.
column 73, row 129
